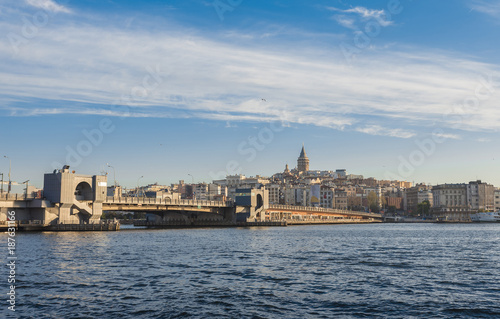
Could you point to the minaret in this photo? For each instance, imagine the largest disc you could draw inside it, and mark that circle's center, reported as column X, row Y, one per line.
column 287, row 170
column 303, row 161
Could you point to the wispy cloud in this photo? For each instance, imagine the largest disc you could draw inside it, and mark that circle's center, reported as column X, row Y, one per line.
column 491, row 7
column 345, row 21
column 447, row 136
column 365, row 14
column 382, row 94
column 383, row 131
column 48, row 5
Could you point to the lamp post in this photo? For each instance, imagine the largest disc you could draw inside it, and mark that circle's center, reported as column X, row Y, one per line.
column 10, row 166
column 2, row 184
column 114, row 174
column 138, row 186
column 26, row 194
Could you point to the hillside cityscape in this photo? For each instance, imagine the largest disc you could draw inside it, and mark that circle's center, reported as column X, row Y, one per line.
column 339, row 189
column 335, row 189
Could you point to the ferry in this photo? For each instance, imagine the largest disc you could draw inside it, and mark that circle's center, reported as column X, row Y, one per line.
column 486, row 217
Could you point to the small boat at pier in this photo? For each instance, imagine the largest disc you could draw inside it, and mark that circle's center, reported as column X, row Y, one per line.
column 490, row 217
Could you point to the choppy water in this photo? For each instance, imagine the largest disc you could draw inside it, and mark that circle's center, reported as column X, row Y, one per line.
column 331, row 271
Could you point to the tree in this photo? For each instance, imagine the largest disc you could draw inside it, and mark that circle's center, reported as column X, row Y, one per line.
column 373, row 202
column 423, row 208
column 384, row 201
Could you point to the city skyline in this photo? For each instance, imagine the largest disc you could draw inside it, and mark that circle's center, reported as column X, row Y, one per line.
column 112, row 179
column 192, row 90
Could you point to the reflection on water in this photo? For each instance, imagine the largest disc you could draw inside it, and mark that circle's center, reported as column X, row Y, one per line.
column 386, row 270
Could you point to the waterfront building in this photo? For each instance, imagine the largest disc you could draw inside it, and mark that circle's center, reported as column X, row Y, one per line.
column 480, row 196
column 497, row 199
column 416, row 195
column 450, row 202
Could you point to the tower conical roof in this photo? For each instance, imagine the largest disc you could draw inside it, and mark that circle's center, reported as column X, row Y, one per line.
column 303, row 152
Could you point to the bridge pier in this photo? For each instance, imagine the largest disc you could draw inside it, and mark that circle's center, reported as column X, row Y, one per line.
column 192, row 218
column 96, row 213
column 64, row 213
column 77, row 199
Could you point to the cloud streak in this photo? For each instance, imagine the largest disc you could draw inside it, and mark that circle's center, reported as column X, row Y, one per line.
column 362, row 12
column 383, row 131
column 491, row 8
column 48, row 5
column 447, row 136
column 391, row 94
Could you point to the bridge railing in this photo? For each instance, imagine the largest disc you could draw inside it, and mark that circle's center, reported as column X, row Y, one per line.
column 322, row 210
column 168, row 201
column 7, row 196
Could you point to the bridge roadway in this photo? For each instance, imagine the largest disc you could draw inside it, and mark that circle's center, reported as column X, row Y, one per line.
column 171, row 210
column 298, row 212
column 158, row 204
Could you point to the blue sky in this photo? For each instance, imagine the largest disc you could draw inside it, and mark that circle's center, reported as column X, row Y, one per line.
column 162, row 89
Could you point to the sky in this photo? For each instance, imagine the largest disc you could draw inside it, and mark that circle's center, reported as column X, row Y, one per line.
column 162, row 91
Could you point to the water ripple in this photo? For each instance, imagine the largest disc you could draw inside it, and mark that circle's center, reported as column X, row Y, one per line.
column 341, row 271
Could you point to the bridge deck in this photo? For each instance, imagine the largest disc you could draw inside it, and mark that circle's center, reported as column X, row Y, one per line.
column 15, row 197
column 144, row 201
column 306, row 209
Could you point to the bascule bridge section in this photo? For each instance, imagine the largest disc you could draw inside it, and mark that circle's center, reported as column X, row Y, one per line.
column 76, row 199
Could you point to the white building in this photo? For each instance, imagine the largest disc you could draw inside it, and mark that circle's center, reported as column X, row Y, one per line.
column 450, row 202
column 480, row 196
column 200, row 191
column 497, row 199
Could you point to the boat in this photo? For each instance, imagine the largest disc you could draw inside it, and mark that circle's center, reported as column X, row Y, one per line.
column 486, row 217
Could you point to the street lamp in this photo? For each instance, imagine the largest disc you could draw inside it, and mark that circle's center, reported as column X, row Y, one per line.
column 137, row 193
column 10, row 166
column 114, row 174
